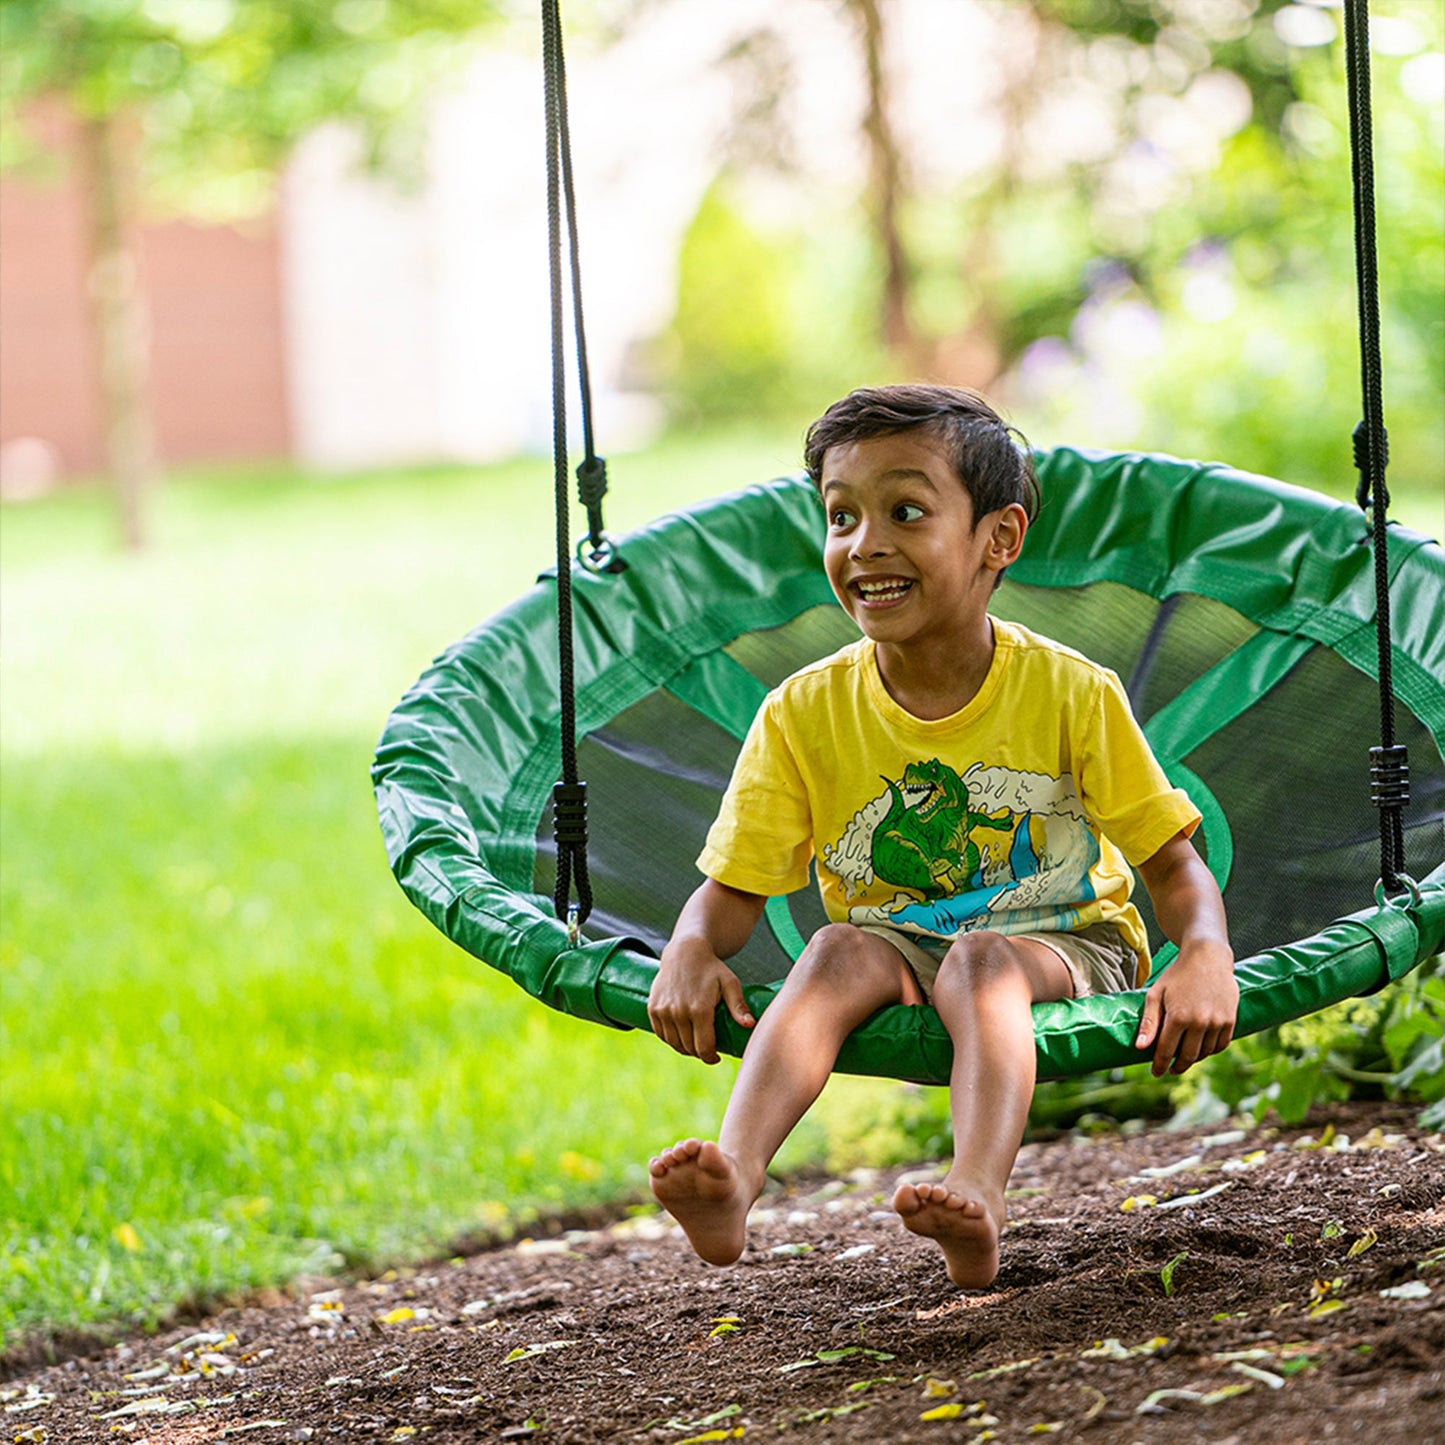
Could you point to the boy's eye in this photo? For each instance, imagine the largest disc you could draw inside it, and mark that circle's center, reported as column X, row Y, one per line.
column 839, row 517
column 907, row 512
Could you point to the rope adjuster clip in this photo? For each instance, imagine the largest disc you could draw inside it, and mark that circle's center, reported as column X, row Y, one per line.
column 569, row 814
column 574, row 924
column 1390, row 776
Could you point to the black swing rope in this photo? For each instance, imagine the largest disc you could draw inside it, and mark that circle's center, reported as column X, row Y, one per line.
column 1389, row 762
column 569, row 796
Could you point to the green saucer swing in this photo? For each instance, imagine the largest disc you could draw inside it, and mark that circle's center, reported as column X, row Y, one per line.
column 1250, row 620
column 1238, row 610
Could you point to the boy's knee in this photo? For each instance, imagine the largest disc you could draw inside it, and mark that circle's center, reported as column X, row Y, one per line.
column 834, row 957
column 978, row 961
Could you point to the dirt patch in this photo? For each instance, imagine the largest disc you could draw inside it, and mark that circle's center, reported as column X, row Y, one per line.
column 1285, row 1285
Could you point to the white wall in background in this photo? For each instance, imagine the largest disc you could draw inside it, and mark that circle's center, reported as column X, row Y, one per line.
column 418, row 325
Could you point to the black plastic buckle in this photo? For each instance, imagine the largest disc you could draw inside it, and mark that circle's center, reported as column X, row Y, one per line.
column 1390, row 776
column 569, row 814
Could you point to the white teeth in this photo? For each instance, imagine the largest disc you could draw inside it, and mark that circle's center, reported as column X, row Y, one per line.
column 883, row 591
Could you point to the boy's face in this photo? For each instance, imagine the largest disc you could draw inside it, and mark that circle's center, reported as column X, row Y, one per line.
column 903, row 555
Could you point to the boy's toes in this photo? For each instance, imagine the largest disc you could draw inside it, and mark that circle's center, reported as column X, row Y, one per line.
column 910, row 1198
column 968, row 1208
column 906, row 1200
column 959, row 1223
column 936, row 1202
column 683, row 1152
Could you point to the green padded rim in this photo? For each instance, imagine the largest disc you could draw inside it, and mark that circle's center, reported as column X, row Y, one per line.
column 466, row 763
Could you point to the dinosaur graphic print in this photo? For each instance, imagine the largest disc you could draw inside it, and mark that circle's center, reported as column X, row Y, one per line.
column 944, row 853
column 923, row 842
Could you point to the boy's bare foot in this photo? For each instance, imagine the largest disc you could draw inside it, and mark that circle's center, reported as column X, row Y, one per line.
column 961, row 1224
column 701, row 1188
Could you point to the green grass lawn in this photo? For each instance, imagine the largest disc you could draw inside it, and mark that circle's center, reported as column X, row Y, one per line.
column 231, row 1050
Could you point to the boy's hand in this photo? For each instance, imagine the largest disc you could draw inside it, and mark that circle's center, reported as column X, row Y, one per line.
column 691, row 981
column 1189, row 1012
column 692, row 978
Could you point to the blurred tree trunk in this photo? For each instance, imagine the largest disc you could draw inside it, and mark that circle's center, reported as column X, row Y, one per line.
column 121, row 326
column 886, row 187
column 977, row 356
column 973, row 356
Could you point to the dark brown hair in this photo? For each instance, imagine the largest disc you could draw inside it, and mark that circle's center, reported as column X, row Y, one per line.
column 991, row 459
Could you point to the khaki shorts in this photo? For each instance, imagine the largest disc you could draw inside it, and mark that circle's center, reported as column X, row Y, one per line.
column 1098, row 958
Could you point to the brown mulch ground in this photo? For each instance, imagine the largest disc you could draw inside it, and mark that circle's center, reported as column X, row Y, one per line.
column 1304, row 1301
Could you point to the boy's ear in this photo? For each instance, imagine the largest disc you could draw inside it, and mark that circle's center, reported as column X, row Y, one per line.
column 1010, row 524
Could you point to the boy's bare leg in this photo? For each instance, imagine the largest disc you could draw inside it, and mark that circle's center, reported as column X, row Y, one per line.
column 843, row 976
column 983, row 995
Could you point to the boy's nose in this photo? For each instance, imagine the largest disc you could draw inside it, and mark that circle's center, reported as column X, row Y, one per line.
column 869, row 540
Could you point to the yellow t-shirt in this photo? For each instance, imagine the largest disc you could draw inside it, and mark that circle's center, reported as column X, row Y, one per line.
column 1020, row 813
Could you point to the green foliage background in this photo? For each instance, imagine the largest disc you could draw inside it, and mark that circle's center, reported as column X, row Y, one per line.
column 218, row 92
column 1268, row 378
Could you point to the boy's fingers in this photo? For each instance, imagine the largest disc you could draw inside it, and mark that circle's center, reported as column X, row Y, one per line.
column 1169, row 1041
column 676, row 1031
column 682, row 1032
column 1148, row 1022
column 1188, row 1052
column 686, row 1027
column 703, row 1037
column 661, row 1021
column 732, row 992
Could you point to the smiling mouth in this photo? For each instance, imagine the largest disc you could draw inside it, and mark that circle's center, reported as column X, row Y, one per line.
column 884, row 590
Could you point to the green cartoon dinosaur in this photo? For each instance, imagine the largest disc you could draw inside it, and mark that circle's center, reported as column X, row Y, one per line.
column 925, row 845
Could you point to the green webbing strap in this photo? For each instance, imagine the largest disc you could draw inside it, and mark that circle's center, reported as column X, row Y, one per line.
column 1399, row 939
column 722, row 690
column 1227, row 690
column 1218, row 841
column 1215, row 825
column 785, row 929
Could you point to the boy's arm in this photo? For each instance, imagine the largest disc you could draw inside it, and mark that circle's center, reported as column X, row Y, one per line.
column 692, row 978
column 1189, row 1012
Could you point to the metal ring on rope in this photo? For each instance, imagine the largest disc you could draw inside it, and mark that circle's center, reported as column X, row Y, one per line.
column 598, row 559
column 1408, row 888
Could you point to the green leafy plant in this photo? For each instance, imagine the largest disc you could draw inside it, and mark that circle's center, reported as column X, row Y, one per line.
column 1389, row 1045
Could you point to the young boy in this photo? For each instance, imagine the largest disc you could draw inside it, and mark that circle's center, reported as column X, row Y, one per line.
column 970, row 792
